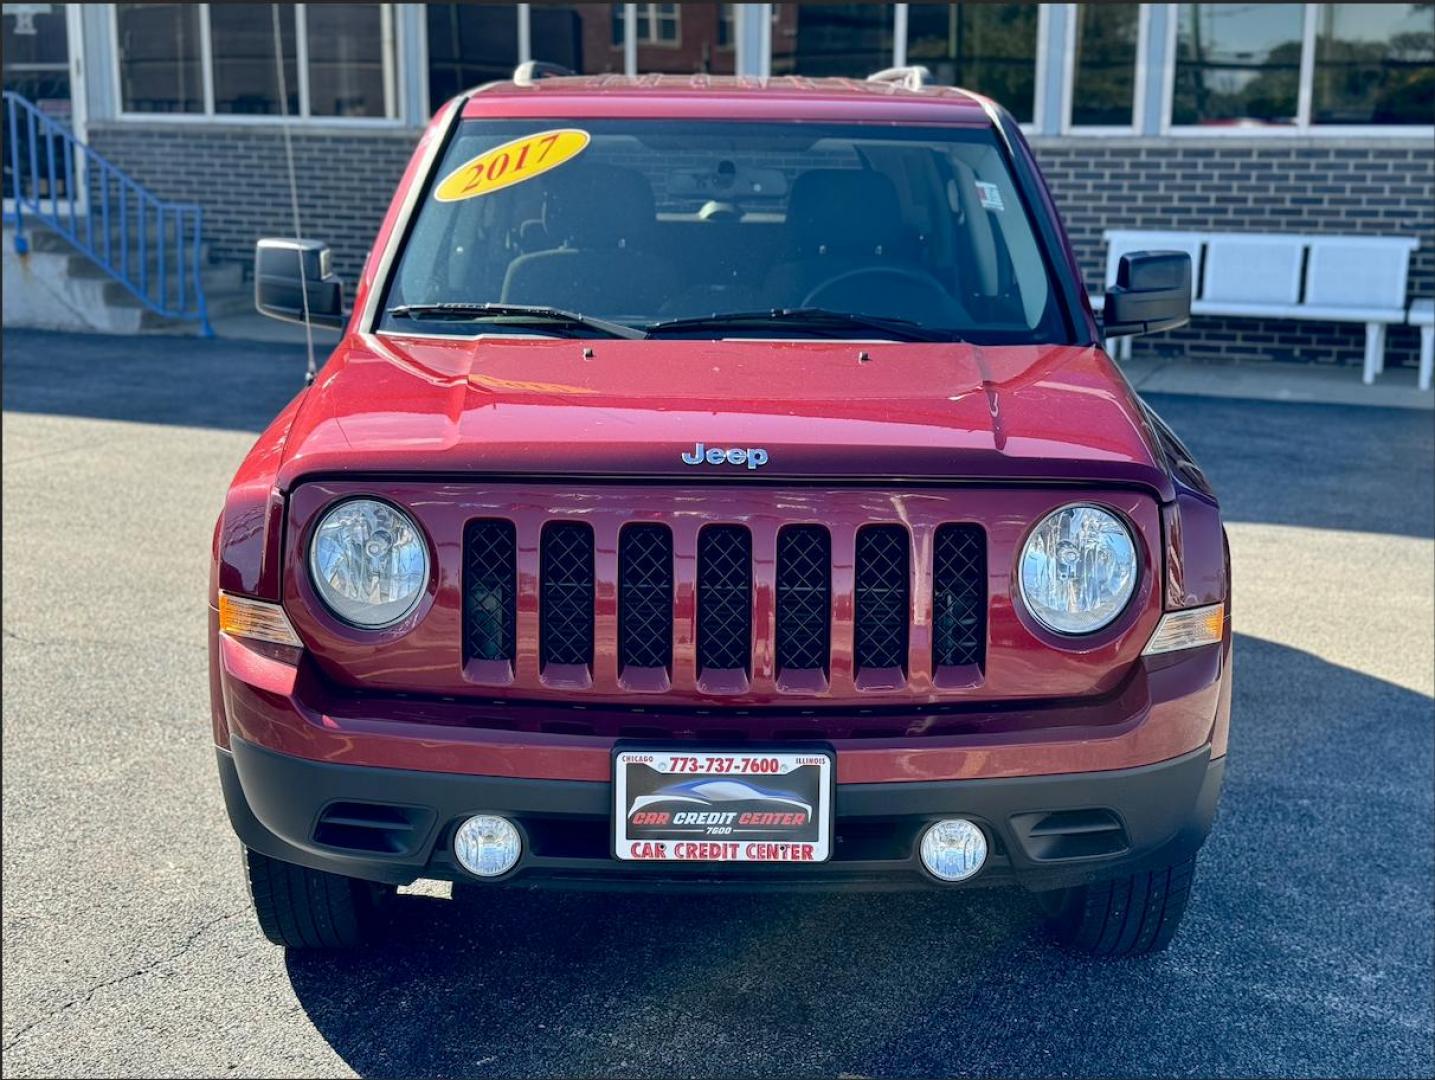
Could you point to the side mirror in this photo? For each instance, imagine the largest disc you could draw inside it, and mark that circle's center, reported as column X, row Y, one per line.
column 285, row 269
column 1152, row 293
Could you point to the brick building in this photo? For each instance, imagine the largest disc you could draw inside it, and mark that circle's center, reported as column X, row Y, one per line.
column 1240, row 117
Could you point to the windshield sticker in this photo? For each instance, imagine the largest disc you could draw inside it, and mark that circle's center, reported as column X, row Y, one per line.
column 512, row 163
column 990, row 196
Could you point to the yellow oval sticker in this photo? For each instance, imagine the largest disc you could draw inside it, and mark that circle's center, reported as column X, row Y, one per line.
column 512, row 163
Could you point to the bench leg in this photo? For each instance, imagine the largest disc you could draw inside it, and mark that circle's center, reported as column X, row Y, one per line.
column 1374, row 351
column 1427, row 355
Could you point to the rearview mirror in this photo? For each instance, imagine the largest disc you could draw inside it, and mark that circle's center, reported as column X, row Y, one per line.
column 285, row 269
column 1152, row 293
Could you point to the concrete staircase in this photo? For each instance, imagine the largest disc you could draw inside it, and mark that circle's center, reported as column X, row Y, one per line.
column 54, row 287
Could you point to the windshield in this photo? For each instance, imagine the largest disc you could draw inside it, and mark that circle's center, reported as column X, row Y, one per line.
column 643, row 222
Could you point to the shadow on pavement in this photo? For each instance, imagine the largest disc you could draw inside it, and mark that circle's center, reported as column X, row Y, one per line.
column 1306, row 950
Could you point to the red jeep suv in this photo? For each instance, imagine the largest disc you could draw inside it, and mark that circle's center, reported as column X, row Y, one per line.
column 721, row 483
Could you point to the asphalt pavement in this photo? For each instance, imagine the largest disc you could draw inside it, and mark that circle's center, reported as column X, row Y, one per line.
column 129, row 948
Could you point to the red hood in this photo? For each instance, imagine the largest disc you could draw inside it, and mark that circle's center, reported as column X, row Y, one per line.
column 538, row 406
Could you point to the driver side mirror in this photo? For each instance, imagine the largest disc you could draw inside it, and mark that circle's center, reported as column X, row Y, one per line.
column 1152, row 293
column 286, row 270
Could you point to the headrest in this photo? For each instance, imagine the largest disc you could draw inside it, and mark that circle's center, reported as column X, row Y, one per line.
column 593, row 205
column 844, row 212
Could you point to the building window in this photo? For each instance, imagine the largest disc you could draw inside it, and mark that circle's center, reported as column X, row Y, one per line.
column 657, row 24
column 160, row 67
column 727, row 26
column 701, row 46
column 586, row 38
column 990, row 48
column 338, row 59
column 832, row 39
column 1105, row 43
column 1373, row 64
column 1245, row 65
column 246, row 78
column 469, row 44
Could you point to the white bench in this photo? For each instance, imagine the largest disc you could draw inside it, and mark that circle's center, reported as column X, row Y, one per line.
column 1358, row 279
column 1422, row 314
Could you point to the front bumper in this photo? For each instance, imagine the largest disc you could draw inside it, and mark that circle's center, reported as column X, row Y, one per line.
column 1044, row 832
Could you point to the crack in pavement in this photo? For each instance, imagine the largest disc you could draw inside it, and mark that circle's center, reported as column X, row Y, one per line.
column 61, row 643
column 88, row 995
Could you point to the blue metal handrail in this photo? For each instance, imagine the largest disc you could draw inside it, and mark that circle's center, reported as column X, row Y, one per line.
column 50, row 174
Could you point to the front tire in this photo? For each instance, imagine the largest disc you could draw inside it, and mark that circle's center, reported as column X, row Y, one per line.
column 1131, row 916
column 301, row 908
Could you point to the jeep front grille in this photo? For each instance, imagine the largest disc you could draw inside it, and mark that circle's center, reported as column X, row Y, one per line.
column 724, row 598
column 959, row 596
column 565, row 610
column 490, row 590
column 645, row 597
column 882, row 599
column 766, row 611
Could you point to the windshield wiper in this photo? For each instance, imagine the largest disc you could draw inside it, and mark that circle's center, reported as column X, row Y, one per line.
column 816, row 319
column 521, row 314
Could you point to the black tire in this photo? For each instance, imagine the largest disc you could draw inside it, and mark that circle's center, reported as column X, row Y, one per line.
column 1130, row 916
column 309, row 909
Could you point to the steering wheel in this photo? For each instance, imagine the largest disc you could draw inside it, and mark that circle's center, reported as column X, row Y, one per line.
column 941, row 298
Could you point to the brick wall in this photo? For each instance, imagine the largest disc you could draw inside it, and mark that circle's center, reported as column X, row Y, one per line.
column 239, row 175
column 1380, row 187
column 1352, row 186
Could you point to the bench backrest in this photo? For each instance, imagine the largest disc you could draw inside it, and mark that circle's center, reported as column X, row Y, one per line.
column 1255, row 268
column 1358, row 271
column 1348, row 272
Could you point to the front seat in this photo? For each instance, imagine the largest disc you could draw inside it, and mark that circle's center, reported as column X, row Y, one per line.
column 602, row 220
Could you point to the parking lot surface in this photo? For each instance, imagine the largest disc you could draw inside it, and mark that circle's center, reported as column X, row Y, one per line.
column 129, row 948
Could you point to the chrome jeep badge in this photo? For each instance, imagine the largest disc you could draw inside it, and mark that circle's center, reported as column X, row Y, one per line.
column 754, row 457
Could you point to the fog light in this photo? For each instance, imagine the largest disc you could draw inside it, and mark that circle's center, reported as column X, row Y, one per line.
column 954, row 849
column 486, row 845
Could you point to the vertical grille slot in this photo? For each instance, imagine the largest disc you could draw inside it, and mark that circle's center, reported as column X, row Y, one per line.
column 724, row 598
column 645, row 597
column 804, row 598
column 959, row 597
column 490, row 590
column 882, row 598
column 565, row 606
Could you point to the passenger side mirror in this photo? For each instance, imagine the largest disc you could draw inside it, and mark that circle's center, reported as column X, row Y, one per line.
column 284, row 269
column 1152, row 293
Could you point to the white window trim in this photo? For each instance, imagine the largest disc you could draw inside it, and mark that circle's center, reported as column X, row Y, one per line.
column 1068, row 79
column 653, row 41
column 1035, row 125
column 1302, row 128
column 390, row 36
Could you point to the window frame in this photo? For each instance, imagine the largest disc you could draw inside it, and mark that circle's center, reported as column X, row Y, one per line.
column 1305, row 92
column 654, row 17
column 1138, row 96
column 391, row 45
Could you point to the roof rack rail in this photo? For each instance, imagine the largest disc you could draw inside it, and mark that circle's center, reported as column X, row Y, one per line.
column 530, row 71
column 911, row 77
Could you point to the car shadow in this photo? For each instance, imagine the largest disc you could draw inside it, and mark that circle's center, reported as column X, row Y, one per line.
column 1306, row 950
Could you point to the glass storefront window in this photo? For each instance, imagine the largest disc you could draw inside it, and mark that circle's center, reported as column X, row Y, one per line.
column 159, row 57
column 832, row 39
column 1374, row 64
column 585, row 38
column 347, row 43
column 469, row 44
column 241, row 40
column 1103, row 86
column 1237, row 64
column 989, row 48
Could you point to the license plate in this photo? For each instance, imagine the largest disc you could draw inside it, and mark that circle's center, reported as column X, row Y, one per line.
column 705, row 806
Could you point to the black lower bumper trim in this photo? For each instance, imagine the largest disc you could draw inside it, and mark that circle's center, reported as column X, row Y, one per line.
column 1044, row 832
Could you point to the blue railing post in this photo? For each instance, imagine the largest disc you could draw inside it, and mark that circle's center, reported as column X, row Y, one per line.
column 100, row 176
column 15, row 178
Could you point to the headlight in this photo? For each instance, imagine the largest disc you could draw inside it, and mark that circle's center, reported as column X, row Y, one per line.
column 369, row 562
column 1078, row 569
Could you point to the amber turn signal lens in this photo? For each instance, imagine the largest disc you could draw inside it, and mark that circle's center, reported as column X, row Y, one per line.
column 240, row 616
column 1188, row 629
